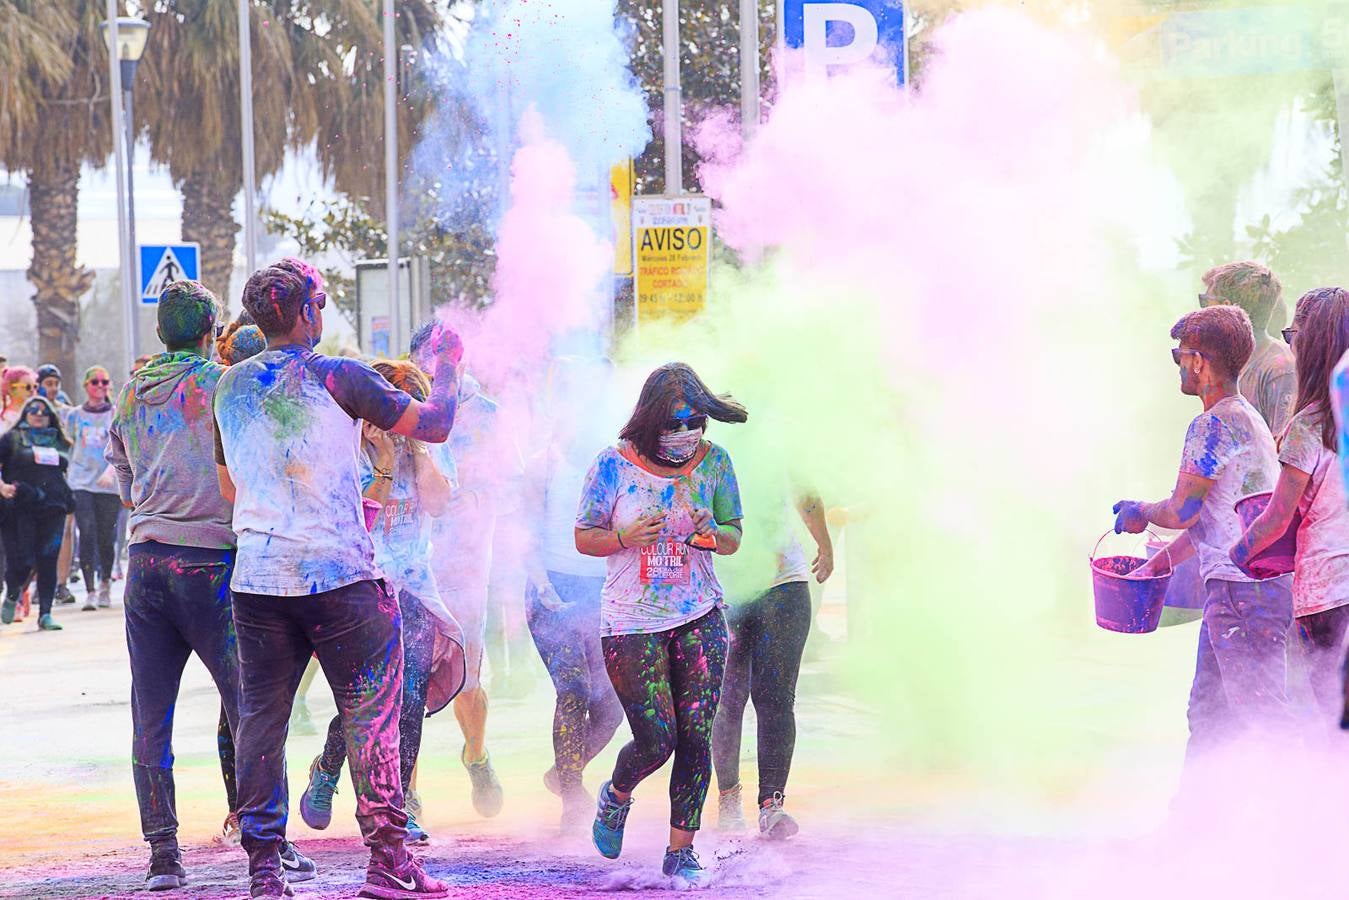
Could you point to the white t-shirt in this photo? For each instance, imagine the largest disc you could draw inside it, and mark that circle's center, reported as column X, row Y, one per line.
column 288, row 429
column 667, row 584
column 1321, row 567
column 1231, row 445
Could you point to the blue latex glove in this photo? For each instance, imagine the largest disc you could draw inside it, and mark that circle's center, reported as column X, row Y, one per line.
column 1129, row 517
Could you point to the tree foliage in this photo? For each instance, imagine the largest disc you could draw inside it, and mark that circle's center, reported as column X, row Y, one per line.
column 54, row 118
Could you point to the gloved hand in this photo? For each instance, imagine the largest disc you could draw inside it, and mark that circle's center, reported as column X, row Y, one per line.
column 1129, row 517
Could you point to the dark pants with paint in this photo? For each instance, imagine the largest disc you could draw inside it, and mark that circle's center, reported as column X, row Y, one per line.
column 177, row 604
column 224, row 741
column 669, row 684
column 768, row 637
column 32, row 540
column 1321, row 645
column 1241, row 673
column 96, row 517
column 419, row 641
column 356, row 632
column 587, row 712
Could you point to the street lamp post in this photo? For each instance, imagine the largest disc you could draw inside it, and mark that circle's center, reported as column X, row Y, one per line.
column 126, row 37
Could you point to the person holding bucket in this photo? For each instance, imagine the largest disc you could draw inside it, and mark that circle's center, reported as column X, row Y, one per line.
column 1240, row 672
column 1319, row 336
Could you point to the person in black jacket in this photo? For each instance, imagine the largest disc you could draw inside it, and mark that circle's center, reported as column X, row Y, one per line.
column 36, row 499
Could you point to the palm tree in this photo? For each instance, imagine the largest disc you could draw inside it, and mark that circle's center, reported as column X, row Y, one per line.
column 54, row 117
column 313, row 75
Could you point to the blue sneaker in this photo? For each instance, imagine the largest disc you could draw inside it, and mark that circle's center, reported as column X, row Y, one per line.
column 683, row 868
column 416, row 833
column 610, row 819
column 316, row 803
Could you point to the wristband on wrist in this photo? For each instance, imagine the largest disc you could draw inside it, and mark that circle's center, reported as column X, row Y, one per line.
column 618, row 534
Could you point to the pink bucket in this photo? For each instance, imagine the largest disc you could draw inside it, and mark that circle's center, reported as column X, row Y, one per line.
column 1126, row 605
column 371, row 509
column 1277, row 558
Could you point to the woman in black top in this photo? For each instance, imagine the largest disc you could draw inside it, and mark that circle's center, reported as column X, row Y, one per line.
column 34, row 502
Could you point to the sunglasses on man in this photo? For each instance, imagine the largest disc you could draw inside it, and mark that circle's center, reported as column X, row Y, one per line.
column 101, row 382
column 1178, row 352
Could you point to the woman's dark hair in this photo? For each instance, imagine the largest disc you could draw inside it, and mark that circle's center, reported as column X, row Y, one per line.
column 663, row 391
column 51, row 417
column 1322, row 321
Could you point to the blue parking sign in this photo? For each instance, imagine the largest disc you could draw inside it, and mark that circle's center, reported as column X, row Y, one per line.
column 163, row 264
column 837, row 33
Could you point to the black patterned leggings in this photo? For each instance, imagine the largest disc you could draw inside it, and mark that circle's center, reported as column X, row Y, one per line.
column 669, row 684
column 587, row 713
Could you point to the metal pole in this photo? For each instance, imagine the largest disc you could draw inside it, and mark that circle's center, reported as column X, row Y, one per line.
column 674, row 126
column 246, row 126
column 749, row 67
column 130, row 304
column 391, row 174
column 131, row 215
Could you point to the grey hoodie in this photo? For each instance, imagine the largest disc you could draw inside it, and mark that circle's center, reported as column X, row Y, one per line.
column 162, row 444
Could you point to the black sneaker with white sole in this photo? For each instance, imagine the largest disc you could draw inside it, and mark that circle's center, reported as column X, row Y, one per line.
column 166, row 872
column 296, row 865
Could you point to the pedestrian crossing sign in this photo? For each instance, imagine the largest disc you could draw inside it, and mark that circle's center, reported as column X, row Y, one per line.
column 163, row 264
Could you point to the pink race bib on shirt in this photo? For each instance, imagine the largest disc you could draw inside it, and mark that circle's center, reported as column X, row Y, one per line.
column 665, row 562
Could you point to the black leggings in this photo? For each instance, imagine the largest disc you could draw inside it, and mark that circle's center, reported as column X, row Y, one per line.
column 669, row 683
column 768, row 637
column 96, row 517
column 419, row 642
column 587, row 712
column 32, row 544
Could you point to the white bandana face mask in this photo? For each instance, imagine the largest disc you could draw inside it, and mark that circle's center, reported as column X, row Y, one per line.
column 678, row 447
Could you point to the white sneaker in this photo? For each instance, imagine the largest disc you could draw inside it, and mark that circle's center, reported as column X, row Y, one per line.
column 774, row 823
column 731, row 812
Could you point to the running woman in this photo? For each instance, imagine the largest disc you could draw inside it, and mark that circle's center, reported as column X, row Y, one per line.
column 658, row 507
column 399, row 475
column 34, row 459
column 17, row 384
column 305, row 579
column 159, row 443
column 95, row 487
column 768, row 637
column 1309, row 484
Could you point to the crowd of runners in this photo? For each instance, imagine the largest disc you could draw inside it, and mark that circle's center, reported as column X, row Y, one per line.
column 290, row 513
